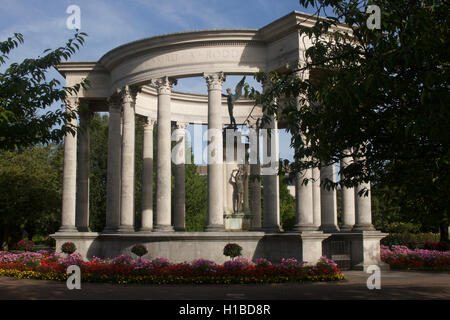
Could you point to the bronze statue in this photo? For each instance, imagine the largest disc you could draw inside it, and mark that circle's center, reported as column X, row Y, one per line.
column 239, row 176
column 231, row 99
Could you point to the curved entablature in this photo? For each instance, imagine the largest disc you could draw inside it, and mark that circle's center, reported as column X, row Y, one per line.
column 276, row 46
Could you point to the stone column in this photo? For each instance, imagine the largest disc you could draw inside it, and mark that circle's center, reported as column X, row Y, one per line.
column 114, row 166
column 163, row 156
column 147, row 177
column 328, row 202
column 348, row 202
column 271, row 185
column 179, row 158
column 304, row 213
column 128, row 152
column 363, row 207
column 82, row 199
column 215, row 152
column 69, row 173
column 316, row 198
column 255, row 178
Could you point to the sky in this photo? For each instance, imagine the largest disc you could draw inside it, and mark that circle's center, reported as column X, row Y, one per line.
column 113, row 23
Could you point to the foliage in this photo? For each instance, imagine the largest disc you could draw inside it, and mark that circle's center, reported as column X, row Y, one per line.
column 68, row 247
column 287, row 205
column 378, row 96
column 411, row 240
column 196, row 199
column 440, row 246
column 124, row 270
column 30, row 192
column 98, row 134
column 139, row 250
column 26, row 96
column 232, row 250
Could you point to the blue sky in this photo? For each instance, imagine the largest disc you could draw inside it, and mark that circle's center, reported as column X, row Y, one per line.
column 113, row 23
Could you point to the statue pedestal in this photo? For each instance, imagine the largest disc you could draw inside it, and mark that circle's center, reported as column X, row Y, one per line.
column 239, row 221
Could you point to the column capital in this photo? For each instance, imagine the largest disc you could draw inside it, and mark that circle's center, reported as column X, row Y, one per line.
column 115, row 101
column 164, row 84
column 149, row 123
column 72, row 102
column 214, row 80
column 129, row 94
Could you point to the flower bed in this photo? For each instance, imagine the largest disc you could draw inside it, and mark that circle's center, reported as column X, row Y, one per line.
column 400, row 257
column 123, row 269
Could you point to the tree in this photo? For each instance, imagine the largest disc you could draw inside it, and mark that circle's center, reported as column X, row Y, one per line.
column 380, row 96
column 196, row 199
column 287, row 205
column 30, row 192
column 26, row 96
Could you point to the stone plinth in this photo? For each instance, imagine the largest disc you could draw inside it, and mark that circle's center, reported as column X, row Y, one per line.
column 363, row 248
column 237, row 221
column 187, row 246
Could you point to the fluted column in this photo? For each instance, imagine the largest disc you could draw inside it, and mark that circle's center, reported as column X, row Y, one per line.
column 147, row 177
column 215, row 152
column 179, row 158
column 255, row 178
column 128, row 152
column 363, row 207
column 163, row 154
column 114, row 166
column 69, row 173
column 82, row 199
column 328, row 201
column 348, row 201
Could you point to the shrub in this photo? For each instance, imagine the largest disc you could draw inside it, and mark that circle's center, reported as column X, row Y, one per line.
column 440, row 246
column 232, row 250
column 160, row 262
column 139, row 250
column 411, row 240
column 123, row 259
column 204, row 265
column 238, row 264
column 68, row 247
column 71, row 259
column 263, row 262
column 26, row 245
column 401, row 257
column 291, row 263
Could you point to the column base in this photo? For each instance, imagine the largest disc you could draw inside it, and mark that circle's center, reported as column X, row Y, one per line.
column 363, row 227
column 329, row 228
column 179, row 229
column 83, row 229
column 163, row 228
column 346, row 228
column 304, row 227
column 145, row 230
column 215, row 228
column 110, row 229
column 125, row 229
column 67, row 229
column 272, row 229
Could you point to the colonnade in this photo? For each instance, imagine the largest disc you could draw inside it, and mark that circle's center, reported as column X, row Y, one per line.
column 316, row 207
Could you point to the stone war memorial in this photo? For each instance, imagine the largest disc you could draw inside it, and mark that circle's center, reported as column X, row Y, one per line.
column 137, row 78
